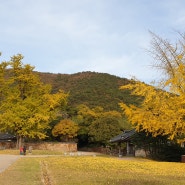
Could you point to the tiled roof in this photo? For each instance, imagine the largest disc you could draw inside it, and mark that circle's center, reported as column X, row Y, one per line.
column 125, row 136
column 6, row 136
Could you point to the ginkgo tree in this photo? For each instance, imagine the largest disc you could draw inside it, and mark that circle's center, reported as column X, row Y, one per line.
column 162, row 111
column 26, row 104
column 66, row 129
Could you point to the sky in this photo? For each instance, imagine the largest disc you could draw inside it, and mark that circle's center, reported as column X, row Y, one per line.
column 71, row 36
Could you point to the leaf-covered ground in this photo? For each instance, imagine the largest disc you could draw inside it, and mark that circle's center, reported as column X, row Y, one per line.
column 92, row 170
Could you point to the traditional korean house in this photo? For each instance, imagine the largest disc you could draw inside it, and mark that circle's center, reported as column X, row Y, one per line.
column 126, row 137
column 7, row 137
column 7, row 140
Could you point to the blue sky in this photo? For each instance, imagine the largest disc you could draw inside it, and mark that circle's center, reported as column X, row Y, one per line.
column 70, row 36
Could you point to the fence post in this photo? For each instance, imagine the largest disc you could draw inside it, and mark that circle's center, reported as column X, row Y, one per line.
column 183, row 158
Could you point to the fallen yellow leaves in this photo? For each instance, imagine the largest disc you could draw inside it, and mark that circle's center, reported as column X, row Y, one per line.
column 105, row 170
column 93, row 170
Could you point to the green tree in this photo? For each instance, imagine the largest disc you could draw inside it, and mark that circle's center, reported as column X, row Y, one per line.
column 66, row 129
column 85, row 117
column 97, row 126
column 106, row 126
column 162, row 112
column 26, row 105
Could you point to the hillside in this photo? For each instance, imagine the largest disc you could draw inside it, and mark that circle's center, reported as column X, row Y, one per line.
column 91, row 88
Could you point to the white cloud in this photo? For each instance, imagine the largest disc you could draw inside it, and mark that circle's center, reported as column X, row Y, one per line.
column 99, row 35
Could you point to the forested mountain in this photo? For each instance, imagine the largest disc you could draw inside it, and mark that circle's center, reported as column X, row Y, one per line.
column 91, row 88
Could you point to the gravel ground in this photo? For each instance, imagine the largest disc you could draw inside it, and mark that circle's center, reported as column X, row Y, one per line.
column 7, row 160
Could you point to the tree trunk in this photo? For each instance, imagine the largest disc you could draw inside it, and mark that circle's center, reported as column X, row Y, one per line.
column 19, row 142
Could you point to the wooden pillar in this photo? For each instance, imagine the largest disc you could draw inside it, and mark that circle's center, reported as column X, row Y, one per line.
column 128, row 148
column 120, row 154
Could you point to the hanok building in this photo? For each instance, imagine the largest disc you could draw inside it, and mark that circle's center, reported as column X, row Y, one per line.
column 7, row 141
column 127, row 137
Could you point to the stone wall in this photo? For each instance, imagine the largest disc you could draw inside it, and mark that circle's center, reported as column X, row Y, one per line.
column 53, row 146
column 140, row 153
column 7, row 145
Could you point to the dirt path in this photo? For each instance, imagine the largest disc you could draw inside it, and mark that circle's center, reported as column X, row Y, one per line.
column 7, row 160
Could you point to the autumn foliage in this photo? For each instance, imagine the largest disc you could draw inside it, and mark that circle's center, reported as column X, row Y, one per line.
column 26, row 104
column 66, row 129
column 162, row 111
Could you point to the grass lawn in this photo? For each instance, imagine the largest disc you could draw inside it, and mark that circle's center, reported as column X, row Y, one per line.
column 34, row 152
column 92, row 170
